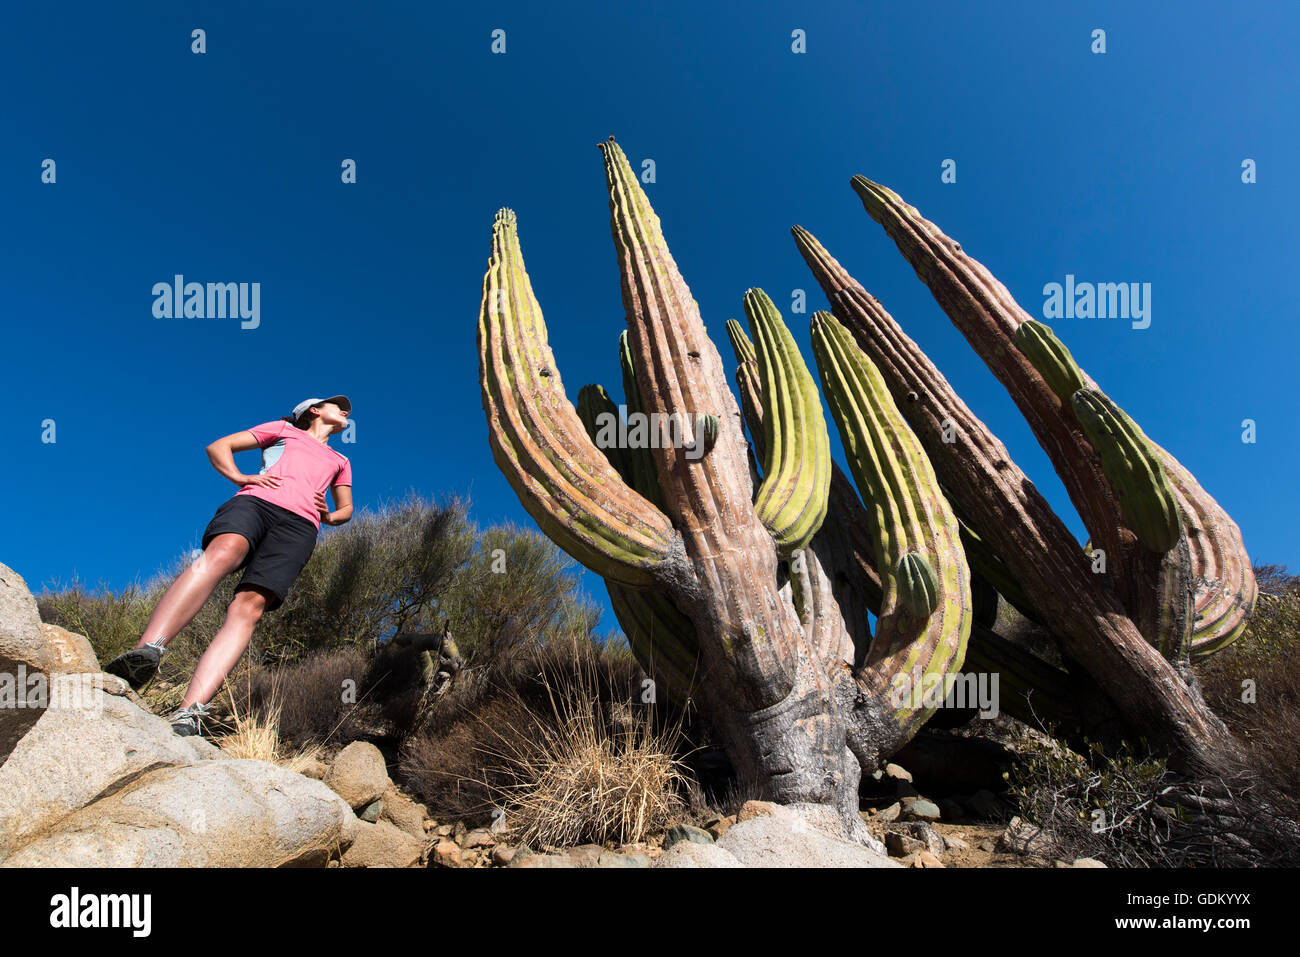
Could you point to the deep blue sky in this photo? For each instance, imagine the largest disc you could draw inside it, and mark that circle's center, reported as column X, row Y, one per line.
column 1124, row 166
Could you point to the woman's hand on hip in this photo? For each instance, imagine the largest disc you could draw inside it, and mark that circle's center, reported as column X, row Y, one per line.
column 323, row 507
column 267, row 481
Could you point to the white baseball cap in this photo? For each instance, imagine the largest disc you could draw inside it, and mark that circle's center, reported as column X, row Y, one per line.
column 340, row 400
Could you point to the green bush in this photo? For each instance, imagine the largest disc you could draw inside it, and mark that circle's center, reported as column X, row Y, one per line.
column 405, row 566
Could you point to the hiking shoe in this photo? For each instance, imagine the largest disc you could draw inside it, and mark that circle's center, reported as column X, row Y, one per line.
column 138, row 665
column 187, row 722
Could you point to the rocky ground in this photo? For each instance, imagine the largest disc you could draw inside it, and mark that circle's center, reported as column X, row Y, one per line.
column 93, row 778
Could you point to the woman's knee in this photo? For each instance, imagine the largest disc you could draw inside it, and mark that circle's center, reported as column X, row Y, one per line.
column 250, row 602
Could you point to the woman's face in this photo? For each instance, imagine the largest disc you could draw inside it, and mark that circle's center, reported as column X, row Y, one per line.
column 332, row 414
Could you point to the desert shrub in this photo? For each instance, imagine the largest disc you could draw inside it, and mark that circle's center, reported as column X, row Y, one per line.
column 556, row 737
column 305, row 700
column 517, row 590
column 378, row 574
column 615, row 647
column 1105, row 809
column 1129, row 809
column 112, row 621
column 1254, row 686
column 409, row 565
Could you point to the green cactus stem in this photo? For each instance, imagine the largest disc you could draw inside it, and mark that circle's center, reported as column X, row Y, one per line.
column 640, row 460
column 925, row 616
column 917, row 586
column 1146, row 499
column 846, row 520
column 796, row 454
column 1050, row 357
column 539, row 443
column 1222, row 577
column 991, row 320
column 597, row 409
column 662, row 639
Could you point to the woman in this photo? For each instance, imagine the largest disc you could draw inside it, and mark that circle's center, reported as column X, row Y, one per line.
column 268, row 527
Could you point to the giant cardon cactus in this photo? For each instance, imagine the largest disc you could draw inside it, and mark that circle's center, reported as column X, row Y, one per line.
column 800, row 701
column 742, row 576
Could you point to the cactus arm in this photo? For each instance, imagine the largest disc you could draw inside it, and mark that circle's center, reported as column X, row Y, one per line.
column 989, row 317
column 662, row 639
column 539, row 443
column 641, row 463
column 986, row 314
column 796, row 460
column 1223, row 581
column 1222, row 577
column 749, row 383
column 1135, row 472
column 597, row 411
column 1014, row 519
column 925, row 618
column 1051, row 358
column 844, row 537
column 709, row 499
column 836, row 564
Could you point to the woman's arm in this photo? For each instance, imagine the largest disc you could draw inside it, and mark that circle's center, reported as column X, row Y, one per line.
column 342, row 498
column 221, row 454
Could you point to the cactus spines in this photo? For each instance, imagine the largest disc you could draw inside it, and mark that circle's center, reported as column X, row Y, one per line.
column 796, row 454
column 538, row 440
column 917, row 586
column 924, row 621
column 1146, row 499
column 1051, row 358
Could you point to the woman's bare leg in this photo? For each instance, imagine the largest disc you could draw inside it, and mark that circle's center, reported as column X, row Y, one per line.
column 192, row 588
column 227, row 645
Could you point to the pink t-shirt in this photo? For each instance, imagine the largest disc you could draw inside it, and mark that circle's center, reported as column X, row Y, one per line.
column 305, row 466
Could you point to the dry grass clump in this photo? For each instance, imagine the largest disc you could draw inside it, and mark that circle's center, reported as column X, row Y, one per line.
column 255, row 736
column 557, row 740
column 578, row 783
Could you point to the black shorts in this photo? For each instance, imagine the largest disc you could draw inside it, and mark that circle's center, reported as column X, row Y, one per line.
column 279, row 541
